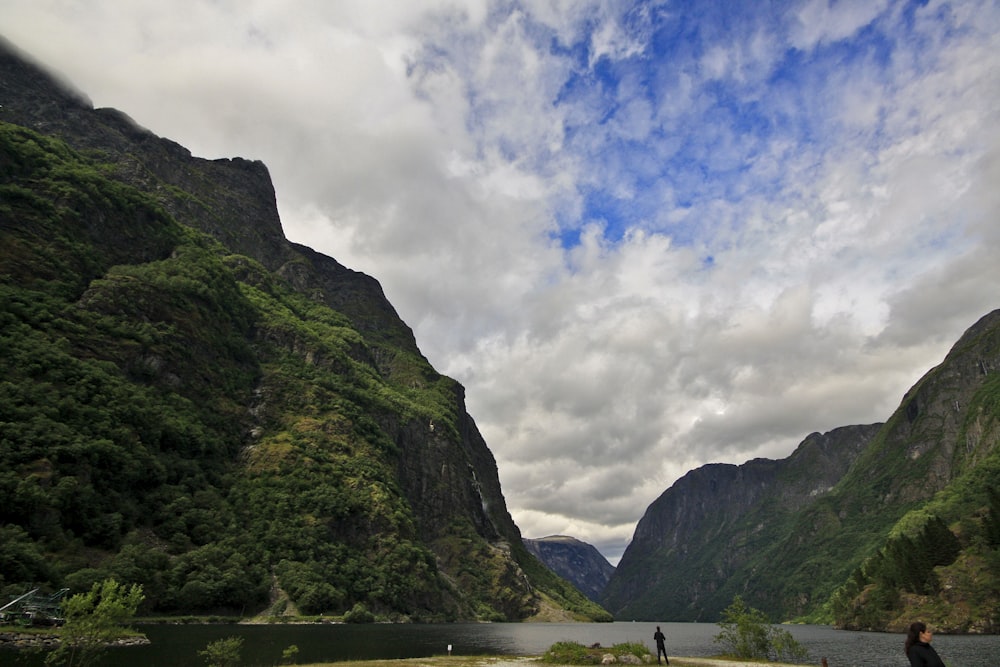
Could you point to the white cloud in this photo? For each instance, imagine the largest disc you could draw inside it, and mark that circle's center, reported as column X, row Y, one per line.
column 799, row 218
column 823, row 21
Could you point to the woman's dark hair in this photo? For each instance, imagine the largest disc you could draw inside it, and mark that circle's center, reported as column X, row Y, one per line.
column 913, row 636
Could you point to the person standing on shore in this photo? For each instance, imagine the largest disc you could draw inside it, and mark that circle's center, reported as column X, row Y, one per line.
column 918, row 647
column 661, row 646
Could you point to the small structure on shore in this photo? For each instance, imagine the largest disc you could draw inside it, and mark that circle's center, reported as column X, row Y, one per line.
column 34, row 608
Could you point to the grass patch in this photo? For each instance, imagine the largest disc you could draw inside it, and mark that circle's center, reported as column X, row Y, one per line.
column 574, row 653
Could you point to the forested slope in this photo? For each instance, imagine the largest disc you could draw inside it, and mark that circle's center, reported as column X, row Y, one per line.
column 190, row 402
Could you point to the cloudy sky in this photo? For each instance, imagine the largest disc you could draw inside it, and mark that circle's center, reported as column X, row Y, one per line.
column 644, row 236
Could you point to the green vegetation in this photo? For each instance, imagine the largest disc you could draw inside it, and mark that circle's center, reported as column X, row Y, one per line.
column 941, row 561
column 573, row 653
column 102, row 448
column 910, row 570
column 176, row 416
column 93, row 621
column 223, row 652
column 289, row 655
column 747, row 634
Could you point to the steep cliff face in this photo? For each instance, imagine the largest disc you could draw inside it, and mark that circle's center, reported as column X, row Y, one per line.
column 945, row 425
column 324, row 436
column 694, row 539
column 935, row 465
column 231, row 199
column 577, row 562
column 785, row 535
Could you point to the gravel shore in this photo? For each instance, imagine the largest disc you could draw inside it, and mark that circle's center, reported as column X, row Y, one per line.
column 675, row 661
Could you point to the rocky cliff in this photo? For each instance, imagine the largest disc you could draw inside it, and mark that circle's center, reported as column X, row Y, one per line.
column 577, row 562
column 786, row 535
column 691, row 543
column 271, row 402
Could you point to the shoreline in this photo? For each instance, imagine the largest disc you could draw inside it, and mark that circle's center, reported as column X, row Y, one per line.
column 17, row 641
column 279, row 620
column 532, row 661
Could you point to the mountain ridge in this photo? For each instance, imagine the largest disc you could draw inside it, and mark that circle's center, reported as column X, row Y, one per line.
column 271, row 399
column 705, row 505
column 816, row 541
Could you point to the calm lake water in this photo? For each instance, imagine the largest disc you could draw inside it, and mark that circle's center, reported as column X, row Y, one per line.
column 178, row 645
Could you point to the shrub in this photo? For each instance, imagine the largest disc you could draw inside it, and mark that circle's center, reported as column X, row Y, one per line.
column 638, row 649
column 570, row 653
column 93, row 621
column 223, row 652
column 359, row 614
column 747, row 634
column 289, row 654
column 573, row 653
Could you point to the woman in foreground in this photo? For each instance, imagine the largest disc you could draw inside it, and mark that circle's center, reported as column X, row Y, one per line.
column 918, row 647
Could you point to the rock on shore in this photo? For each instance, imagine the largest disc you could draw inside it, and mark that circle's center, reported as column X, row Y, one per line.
column 26, row 640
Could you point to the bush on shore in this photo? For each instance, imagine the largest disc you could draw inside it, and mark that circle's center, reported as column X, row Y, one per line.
column 747, row 634
column 574, row 653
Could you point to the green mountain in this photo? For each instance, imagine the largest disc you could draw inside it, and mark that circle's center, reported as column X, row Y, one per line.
column 866, row 526
column 191, row 402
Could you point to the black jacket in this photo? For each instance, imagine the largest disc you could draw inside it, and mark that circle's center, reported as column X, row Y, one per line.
column 923, row 655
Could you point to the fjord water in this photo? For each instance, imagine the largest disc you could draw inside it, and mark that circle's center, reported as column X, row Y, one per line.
column 178, row 645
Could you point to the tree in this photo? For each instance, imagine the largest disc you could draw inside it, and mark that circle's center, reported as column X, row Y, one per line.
column 359, row 614
column 93, row 621
column 747, row 634
column 223, row 652
column 289, row 654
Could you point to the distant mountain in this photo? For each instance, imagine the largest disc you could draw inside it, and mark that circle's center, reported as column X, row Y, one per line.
column 684, row 560
column 191, row 402
column 864, row 526
column 579, row 563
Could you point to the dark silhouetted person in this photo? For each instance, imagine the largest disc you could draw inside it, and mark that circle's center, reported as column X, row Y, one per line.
column 661, row 646
column 918, row 647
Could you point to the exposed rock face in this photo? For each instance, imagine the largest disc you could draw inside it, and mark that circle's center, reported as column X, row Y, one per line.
column 700, row 531
column 784, row 534
column 233, row 199
column 721, row 495
column 447, row 474
column 577, row 562
column 946, row 423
